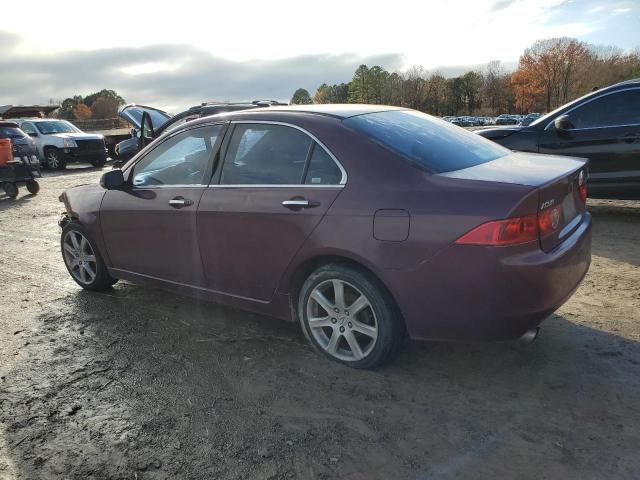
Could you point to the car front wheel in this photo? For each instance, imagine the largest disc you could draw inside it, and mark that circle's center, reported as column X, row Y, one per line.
column 53, row 159
column 82, row 259
column 349, row 316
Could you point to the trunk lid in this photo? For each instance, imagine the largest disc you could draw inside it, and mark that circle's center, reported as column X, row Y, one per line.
column 560, row 203
column 557, row 180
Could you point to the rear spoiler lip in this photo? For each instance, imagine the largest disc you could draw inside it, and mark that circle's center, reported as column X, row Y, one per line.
column 521, row 168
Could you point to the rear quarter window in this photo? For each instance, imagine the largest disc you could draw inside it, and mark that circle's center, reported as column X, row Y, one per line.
column 430, row 143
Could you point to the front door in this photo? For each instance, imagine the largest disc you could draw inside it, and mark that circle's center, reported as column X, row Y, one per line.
column 275, row 185
column 606, row 130
column 149, row 226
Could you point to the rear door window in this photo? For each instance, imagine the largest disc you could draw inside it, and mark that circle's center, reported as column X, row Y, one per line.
column 266, row 154
column 322, row 170
column 428, row 142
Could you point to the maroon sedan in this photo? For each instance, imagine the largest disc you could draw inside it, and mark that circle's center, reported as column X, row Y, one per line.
column 361, row 222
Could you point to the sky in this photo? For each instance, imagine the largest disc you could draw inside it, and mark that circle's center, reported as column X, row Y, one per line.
column 186, row 52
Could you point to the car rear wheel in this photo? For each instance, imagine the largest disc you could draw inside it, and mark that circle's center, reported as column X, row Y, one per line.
column 348, row 316
column 53, row 159
column 83, row 260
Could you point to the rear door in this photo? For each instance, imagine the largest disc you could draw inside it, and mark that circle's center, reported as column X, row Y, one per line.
column 149, row 226
column 275, row 184
column 606, row 130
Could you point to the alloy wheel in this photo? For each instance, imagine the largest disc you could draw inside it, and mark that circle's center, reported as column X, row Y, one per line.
column 342, row 320
column 53, row 160
column 80, row 257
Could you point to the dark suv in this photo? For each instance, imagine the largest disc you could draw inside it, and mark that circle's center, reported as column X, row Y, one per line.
column 603, row 126
column 158, row 121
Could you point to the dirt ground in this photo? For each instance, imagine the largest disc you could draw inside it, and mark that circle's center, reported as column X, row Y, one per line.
column 137, row 383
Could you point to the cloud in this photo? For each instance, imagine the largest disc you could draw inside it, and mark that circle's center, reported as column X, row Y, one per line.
column 172, row 76
column 501, row 5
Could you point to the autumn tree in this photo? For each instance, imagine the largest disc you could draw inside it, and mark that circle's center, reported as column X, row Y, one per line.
column 551, row 66
column 105, row 107
column 301, row 97
column 82, row 112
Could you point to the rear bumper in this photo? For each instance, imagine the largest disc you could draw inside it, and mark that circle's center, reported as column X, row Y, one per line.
column 490, row 293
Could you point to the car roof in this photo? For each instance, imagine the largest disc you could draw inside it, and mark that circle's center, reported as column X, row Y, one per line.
column 333, row 110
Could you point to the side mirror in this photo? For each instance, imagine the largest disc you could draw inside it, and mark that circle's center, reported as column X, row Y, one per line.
column 112, row 179
column 563, row 123
column 33, row 134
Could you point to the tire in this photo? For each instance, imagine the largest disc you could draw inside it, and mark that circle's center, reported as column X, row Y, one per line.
column 53, row 160
column 99, row 163
column 376, row 327
column 11, row 189
column 84, row 259
column 33, row 187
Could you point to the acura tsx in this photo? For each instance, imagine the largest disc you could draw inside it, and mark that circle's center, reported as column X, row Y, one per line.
column 364, row 223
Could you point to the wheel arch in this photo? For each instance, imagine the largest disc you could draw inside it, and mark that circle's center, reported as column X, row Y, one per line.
column 294, row 281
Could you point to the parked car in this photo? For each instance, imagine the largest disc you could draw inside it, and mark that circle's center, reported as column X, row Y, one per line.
column 361, row 222
column 161, row 121
column 506, row 119
column 59, row 142
column 529, row 119
column 21, row 144
column 603, row 126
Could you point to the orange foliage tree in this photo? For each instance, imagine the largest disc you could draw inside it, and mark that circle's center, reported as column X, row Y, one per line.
column 82, row 112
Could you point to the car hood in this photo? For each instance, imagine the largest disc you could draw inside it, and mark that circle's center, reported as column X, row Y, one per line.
column 79, row 136
column 132, row 113
column 21, row 141
column 498, row 132
column 529, row 169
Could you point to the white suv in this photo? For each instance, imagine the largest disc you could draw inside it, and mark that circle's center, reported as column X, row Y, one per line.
column 59, row 142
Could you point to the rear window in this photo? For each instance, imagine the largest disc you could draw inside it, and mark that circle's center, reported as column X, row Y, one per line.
column 431, row 143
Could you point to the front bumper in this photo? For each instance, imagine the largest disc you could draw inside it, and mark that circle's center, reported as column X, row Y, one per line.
column 75, row 154
column 490, row 293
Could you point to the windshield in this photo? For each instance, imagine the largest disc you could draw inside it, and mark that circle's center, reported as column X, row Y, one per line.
column 431, row 143
column 11, row 132
column 550, row 115
column 55, row 126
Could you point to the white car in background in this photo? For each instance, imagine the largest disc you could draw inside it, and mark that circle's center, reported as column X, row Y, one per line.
column 59, row 142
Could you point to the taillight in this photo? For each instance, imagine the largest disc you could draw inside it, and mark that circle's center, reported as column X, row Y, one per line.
column 548, row 220
column 582, row 186
column 582, row 190
column 510, row 231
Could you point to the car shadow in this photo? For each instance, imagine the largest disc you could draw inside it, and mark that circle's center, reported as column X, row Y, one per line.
column 135, row 382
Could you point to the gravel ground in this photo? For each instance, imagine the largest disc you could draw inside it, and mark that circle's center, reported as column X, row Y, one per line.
column 137, row 383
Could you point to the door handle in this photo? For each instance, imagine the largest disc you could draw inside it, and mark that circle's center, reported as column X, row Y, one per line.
column 631, row 137
column 299, row 203
column 179, row 202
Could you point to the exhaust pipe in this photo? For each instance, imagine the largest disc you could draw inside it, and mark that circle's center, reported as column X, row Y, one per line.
column 530, row 335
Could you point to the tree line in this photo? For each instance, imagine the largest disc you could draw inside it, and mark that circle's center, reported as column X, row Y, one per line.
column 102, row 104
column 550, row 73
